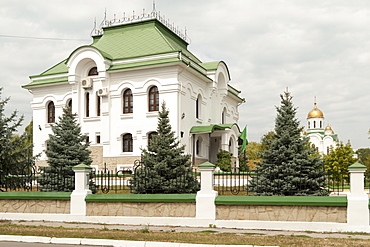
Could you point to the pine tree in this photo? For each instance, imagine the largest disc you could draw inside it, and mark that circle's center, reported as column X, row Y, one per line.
column 165, row 168
column 15, row 153
column 66, row 148
column 289, row 165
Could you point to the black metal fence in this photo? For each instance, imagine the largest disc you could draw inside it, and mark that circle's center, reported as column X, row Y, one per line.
column 29, row 178
column 113, row 181
column 120, row 181
column 234, row 182
column 246, row 183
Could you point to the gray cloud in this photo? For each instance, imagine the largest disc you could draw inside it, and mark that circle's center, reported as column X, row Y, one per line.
column 316, row 48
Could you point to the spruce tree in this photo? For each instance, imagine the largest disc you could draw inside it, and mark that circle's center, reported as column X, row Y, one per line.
column 15, row 153
column 66, row 148
column 289, row 164
column 165, row 168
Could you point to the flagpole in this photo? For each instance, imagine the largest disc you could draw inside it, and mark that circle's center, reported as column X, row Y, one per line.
column 245, row 155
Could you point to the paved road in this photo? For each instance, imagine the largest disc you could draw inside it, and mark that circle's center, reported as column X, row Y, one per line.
column 18, row 244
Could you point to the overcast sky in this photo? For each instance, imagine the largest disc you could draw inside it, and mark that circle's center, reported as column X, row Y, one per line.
column 315, row 48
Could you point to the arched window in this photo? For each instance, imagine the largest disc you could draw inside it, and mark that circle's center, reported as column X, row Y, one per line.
column 309, row 125
column 314, row 124
column 127, row 143
column 93, row 71
column 150, row 137
column 198, row 146
column 69, row 106
column 87, row 105
column 223, row 116
column 98, row 104
column 153, row 99
column 127, row 101
column 51, row 112
column 198, row 104
column 320, row 124
column 231, row 146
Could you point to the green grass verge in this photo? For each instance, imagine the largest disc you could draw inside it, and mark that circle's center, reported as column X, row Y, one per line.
column 146, row 234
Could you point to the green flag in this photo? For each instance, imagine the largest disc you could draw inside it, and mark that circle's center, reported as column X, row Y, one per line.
column 243, row 136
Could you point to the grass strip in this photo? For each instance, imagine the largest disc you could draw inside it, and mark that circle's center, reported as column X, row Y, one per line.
column 197, row 238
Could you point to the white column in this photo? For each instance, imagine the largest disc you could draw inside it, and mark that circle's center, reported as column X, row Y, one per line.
column 78, row 203
column 225, row 141
column 358, row 200
column 205, row 200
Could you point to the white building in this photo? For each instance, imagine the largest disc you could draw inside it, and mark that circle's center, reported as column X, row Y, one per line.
column 322, row 138
column 117, row 84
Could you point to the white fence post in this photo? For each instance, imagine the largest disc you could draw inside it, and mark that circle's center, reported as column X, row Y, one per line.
column 78, row 203
column 358, row 200
column 205, row 200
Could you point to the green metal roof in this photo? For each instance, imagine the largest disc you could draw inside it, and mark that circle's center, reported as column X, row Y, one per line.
column 133, row 40
column 47, row 81
column 140, row 39
column 210, row 65
column 322, row 135
column 211, row 128
column 214, row 66
column 145, row 63
column 357, row 165
column 59, row 68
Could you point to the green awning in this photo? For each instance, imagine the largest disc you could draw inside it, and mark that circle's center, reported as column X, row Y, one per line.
column 211, row 128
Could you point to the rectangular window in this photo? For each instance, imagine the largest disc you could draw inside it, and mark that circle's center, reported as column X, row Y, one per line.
column 127, row 143
column 98, row 139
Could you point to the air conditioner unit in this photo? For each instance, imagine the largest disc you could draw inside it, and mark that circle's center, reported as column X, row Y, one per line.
column 86, row 82
column 103, row 92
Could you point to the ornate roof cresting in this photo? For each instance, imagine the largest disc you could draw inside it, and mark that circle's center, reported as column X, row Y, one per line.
column 154, row 14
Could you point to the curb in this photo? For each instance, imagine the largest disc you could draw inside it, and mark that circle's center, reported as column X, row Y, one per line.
column 107, row 242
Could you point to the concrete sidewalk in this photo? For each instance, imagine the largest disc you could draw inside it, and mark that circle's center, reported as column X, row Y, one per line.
column 102, row 242
column 192, row 229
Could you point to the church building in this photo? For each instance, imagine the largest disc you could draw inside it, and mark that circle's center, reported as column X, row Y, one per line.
column 322, row 138
column 117, row 84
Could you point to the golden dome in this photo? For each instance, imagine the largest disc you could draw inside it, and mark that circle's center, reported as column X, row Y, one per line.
column 329, row 128
column 315, row 112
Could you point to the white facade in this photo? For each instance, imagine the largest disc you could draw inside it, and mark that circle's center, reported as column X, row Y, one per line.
column 196, row 94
